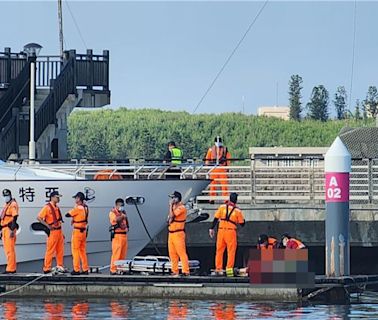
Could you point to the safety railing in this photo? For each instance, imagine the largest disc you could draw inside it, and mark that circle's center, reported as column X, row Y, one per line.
column 61, row 87
column 15, row 95
column 92, row 70
column 11, row 65
column 255, row 183
column 48, row 68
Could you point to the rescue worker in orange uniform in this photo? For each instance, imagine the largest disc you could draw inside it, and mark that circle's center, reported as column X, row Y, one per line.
column 291, row 243
column 107, row 174
column 119, row 229
column 79, row 215
column 265, row 242
column 9, row 227
column 51, row 217
column 176, row 234
column 218, row 156
column 229, row 216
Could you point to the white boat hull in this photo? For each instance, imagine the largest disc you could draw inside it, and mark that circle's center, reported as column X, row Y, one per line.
column 30, row 247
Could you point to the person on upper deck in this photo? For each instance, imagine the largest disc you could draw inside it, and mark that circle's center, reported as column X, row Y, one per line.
column 174, row 157
column 174, row 154
column 218, row 155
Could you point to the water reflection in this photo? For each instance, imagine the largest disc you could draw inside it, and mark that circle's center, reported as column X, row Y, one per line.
column 53, row 311
column 177, row 310
column 223, row 310
column 64, row 308
column 118, row 310
column 80, row 310
column 10, row 310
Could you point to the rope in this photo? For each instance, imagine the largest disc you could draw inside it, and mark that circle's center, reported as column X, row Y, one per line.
column 145, row 228
column 76, row 25
column 54, row 271
column 230, row 56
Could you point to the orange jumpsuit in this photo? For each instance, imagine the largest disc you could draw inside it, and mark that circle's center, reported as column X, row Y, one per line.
column 229, row 217
column 10, row 210
column 119, row 242
column 106, row 174
column 79, row 237
column 176, row 240
column 51, row 214
column 219, row 174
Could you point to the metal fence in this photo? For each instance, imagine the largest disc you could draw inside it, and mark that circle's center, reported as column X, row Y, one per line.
column 255, row 183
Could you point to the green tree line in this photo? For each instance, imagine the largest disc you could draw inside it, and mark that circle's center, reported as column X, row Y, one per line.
column 318, row 106
column 144, row 133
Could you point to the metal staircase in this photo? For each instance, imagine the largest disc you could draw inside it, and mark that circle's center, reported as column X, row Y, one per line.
column 79, row 80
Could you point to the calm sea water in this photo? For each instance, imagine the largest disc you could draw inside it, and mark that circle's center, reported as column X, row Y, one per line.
column 175, row 309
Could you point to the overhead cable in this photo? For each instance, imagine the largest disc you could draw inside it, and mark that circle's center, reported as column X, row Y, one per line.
column 230, row 56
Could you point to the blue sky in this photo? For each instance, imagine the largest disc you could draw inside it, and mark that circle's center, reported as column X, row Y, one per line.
column 165, row 54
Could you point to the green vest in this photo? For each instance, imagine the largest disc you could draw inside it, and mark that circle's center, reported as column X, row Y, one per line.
column 176, row 156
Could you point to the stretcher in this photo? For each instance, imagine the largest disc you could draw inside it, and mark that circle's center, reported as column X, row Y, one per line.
column 151, row 265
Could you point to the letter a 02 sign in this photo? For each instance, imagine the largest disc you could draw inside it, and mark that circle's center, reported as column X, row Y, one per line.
column 337, row 187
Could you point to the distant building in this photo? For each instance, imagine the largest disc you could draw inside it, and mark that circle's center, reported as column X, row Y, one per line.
column 288, row 156
column 281, row 112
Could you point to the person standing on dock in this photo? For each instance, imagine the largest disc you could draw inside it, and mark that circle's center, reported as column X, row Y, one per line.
column 119, row 229
column 218, row 156
column 79, row 215
column 176, row 234
column 51, row 217
column 9, row 226
column 229, row 216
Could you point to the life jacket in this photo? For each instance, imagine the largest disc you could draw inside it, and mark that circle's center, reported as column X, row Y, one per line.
column 221, row 156
column 107, row 174
column 298, row 244
column 81, row 224
column 228, row 220
column 178, row 222
column 120, row 227
column 176, row 155
column 5, row 217
column 56, row 220
column 272, row 243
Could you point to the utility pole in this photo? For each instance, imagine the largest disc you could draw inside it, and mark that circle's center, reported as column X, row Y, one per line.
column 60, row 19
